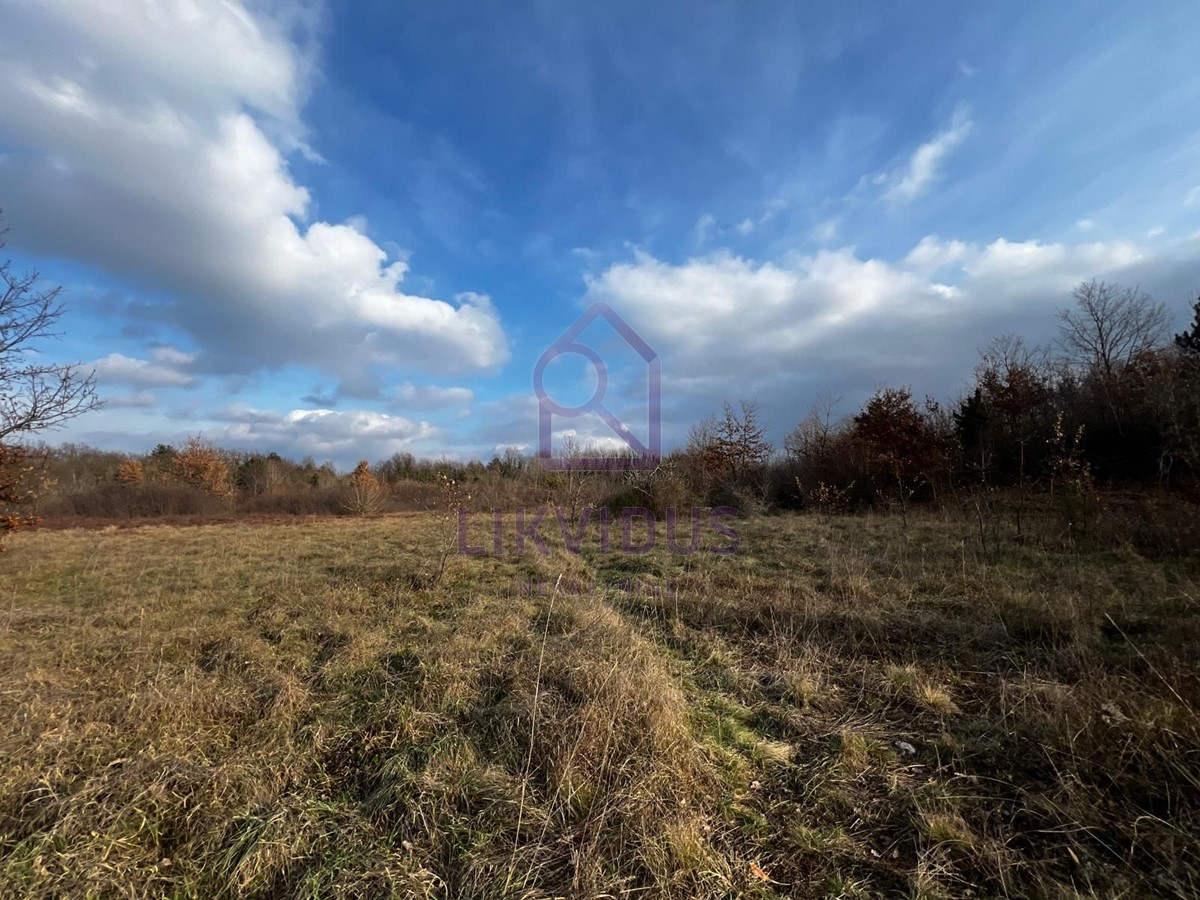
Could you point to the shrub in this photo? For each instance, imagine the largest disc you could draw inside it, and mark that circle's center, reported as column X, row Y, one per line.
column 364, row 494
column 129, row 501
column 200, row 465
column 303, row 502
column 130, row 472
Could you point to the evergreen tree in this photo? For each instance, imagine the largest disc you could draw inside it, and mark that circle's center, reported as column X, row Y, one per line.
column 1189, row 341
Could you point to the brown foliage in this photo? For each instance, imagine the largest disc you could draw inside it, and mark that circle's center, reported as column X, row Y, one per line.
column 15, row 468
column 899, row 441
column 201, row 465
column 130, row 472
column 365, row 495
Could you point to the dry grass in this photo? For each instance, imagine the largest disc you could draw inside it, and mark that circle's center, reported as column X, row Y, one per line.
column 844, row 708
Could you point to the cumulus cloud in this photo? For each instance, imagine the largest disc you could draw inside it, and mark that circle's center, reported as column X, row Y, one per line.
column 924, row 164
column 717, row 312
column 162, row 370
column 835, row 321
column 932, row 254
column 155, row 146
column 425, row 396
column 322, row 433
column 167, row 355
column 1049, row 266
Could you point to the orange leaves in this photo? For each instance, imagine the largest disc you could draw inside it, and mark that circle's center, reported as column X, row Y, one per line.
column 201, row 465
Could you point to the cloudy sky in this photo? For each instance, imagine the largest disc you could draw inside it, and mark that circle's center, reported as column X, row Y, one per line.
column 352, row 229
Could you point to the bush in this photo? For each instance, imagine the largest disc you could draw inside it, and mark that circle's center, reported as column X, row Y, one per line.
column 364, row 494
column 304, row 502
column 125, row 501
column 1155, row 523
column 130, row 472
column 200, row 465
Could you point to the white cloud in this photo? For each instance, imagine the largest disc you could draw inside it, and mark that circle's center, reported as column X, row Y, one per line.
column 116, row 368
column 1053, row 265
column 1156, row 232
column 588, row 442
column 425, row 396
column 171, row 356
column 1192, row 198
column 704, row 227
column 718, row 312
column 843, row 322
column 1086, row 224
column 339, row 434
column 155, row 147
column 932, row 254
column 923, row 166
column 745, row 226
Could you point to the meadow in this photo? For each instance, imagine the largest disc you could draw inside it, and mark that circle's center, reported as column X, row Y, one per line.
column 846, row 706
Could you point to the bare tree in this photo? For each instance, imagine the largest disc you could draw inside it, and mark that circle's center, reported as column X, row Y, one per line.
column 576, row 480
column 811, row 441
column 1111, row 326
column 34, row 394
column 741, row 439
column 1014, row 379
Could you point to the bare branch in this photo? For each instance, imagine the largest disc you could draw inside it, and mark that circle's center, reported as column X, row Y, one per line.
column 1110, row 326
column 35, row 395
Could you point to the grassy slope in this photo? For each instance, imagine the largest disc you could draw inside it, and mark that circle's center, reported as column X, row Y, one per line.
column 298, row 710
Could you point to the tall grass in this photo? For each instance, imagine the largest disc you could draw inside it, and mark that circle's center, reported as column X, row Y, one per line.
column 844, row 707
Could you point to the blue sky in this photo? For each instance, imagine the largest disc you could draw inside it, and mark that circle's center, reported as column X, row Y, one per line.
column 352, row 229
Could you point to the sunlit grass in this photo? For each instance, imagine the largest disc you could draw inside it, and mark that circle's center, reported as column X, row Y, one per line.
column 845, row 707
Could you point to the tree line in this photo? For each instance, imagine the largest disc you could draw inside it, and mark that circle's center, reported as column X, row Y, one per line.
column 1114, row 401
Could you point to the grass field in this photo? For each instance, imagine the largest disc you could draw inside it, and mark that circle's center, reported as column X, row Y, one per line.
column 849, row 707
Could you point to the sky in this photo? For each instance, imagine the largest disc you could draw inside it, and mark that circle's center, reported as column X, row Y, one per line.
column 346, row 230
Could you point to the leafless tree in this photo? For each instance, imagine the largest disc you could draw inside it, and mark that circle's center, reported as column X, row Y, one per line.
column 811, row 441
column 1110, row 326
column 35, row 394
column 576, row 479
column 741, row 439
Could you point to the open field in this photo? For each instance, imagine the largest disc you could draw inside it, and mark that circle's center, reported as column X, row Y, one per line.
column 847, row 707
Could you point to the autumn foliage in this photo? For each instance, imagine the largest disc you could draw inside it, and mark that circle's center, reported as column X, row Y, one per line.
column 200, row 465
column 130, row 472
column 15, row 467
column 365, row 494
